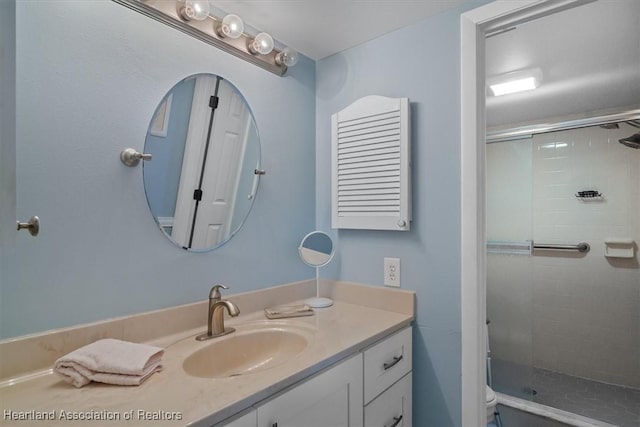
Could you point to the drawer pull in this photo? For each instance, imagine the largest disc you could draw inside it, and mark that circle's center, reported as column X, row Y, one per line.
column 396, row 420
column 391, row 364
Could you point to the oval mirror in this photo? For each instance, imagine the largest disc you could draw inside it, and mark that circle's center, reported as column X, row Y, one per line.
column 316, row 249
column 203, row 176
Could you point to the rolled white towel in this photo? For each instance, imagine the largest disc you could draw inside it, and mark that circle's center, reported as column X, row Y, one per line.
column 110, row 361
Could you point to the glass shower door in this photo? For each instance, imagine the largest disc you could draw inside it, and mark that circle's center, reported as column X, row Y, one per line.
column 510, row 279
column 510, row 327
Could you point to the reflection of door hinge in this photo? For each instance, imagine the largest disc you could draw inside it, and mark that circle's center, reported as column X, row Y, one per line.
column 213, row 102
column 197, row 195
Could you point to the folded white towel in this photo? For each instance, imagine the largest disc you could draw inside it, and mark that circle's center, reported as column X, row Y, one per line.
column 110, row 361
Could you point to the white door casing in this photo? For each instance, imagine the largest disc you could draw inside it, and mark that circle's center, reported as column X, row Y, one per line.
column 474, row 24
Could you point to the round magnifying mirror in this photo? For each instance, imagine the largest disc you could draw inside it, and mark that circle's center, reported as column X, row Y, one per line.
column 203, row 176
column 316, row 250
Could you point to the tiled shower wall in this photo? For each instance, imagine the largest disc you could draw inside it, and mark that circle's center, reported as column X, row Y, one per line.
column 575, row 314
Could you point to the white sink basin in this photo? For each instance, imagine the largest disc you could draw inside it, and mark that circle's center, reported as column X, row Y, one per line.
column 247, row 351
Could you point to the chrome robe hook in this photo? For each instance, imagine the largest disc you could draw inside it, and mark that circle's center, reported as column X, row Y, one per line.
column 33, row 225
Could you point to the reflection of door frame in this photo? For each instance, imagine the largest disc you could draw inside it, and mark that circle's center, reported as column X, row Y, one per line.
column 160, row 123
column 219, row 179
column 232, row 209
column 197, row 132
column 473, row 27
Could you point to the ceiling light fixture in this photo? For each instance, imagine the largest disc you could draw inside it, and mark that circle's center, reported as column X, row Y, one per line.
column 194, row 17
column 517, row 81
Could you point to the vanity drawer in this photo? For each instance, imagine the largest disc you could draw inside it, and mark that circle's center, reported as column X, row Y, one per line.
column 386, row 362
column 392, row 408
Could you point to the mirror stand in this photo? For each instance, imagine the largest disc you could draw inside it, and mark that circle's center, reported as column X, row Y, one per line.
column 316, row 250
column 318, row 301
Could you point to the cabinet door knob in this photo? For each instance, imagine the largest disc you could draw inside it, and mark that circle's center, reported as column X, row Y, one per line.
column 391, row 364
column 396, row 421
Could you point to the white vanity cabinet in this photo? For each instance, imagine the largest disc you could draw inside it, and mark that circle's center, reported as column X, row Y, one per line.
column 332, row 398
column 371, row 388
column 387, row 381
column 246, row 419
column 392, row 408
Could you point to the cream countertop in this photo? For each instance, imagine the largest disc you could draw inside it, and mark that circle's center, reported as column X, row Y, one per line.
column 172, row 397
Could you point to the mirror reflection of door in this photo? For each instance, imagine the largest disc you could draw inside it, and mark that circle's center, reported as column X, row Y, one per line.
column 211, row 170
column 222, row 166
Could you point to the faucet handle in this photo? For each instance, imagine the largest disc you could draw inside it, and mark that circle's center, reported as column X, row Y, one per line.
column 214, row 293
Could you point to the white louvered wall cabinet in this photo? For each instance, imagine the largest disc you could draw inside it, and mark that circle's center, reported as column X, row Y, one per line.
column 371, row 165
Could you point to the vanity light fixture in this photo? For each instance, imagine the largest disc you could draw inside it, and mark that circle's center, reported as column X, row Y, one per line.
column 195, row 18
column 517, row 81
column 231, row 26
column 262, row 44
column 288, row 57
column 194, row 9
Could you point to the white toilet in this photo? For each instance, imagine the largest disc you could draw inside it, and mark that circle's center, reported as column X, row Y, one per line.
column 491, row 398
column 492, row 401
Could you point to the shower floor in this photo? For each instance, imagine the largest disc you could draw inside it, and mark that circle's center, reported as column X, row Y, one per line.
column 605, row 402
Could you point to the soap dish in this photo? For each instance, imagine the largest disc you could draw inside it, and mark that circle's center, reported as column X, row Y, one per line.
column 283, row 311
column 619, row 248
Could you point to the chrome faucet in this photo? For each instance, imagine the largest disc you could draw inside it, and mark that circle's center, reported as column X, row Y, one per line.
column 215, row 320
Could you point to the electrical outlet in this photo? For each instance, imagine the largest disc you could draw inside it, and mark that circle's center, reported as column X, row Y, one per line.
column 392, row 272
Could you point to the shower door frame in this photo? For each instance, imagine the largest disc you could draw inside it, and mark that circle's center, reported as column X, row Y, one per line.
column 474, row 25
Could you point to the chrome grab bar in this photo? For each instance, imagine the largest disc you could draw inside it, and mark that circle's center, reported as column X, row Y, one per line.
column 580, row 247
column 526, row 247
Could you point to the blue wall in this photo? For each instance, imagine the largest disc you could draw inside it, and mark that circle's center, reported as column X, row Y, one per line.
column 421, row 62
column 89, row 77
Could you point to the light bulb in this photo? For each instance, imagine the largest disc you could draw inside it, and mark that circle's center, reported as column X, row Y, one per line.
column 262, row 43
column 231, row 26
column 288, row 57
column 197, row 10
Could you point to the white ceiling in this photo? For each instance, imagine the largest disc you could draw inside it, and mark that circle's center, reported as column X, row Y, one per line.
column 319, row 28
column 589, row 55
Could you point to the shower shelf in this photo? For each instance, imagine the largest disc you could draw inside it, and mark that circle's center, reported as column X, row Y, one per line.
column 619, row 248
column 589, row 195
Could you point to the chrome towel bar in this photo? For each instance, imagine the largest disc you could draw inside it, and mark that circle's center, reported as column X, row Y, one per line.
column 527, row 247
column 580, row 247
